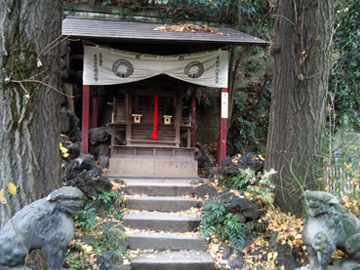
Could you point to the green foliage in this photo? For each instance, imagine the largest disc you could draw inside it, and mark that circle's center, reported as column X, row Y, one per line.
column 113, row 200
column 259, row 186
column 345, row 75
column 87, row 218
column 76, row 259
column 110, row 240
column 216, row 223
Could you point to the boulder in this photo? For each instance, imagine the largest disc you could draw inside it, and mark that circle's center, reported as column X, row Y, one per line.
column 101, row 149
column 68, row 121
column 203, row 158
column 103, row 161
column 86, row 162
column 70, row 170
column 107, row 261
column 76, row 135
column 244, row 208
column 98, row 135
column 203, row 190
column 101, row 184
column 74, row 150
column 95, row 172
column 226, row 251
column 249, row 160
column 236, row 261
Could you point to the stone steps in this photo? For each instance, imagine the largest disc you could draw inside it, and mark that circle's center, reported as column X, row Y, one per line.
column 160, row 204
column 159, row 187
column 183, row 250
column 161, row 241
column 161, row 222
column 196, row 260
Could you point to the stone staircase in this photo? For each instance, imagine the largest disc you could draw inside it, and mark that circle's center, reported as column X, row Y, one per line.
column 163, row 242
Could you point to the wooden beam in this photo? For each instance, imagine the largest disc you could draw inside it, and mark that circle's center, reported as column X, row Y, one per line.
column 178, row 121
column 129, row 118
column 94, row 107
column 85, row 118
column 221, row 149
column 193, row 117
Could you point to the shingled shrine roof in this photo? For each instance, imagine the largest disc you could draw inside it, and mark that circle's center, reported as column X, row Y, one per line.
column 146, row 33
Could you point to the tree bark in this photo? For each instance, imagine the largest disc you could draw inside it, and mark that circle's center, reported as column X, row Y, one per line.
column 29, row 111
column 302, row 48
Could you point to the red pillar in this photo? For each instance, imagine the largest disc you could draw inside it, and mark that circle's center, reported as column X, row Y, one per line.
column 94, row 107
column 221, row 149
column 193, row 117
column 85, row 118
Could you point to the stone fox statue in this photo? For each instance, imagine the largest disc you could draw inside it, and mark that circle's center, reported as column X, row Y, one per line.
column 329, row 226
column 45, row 224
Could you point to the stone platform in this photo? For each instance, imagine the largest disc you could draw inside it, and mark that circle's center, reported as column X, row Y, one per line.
column 153, row 166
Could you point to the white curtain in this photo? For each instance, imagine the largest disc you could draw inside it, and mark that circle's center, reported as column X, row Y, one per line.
column 104, row 66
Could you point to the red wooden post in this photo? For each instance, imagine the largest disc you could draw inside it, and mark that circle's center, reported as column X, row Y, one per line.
column 85, row 118
column 221, row 149
column 193, row 116
column 94, row 107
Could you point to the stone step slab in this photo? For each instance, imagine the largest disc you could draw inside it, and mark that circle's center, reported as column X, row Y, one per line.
column 160, row 241
column 161, row 204
column 159, row 187
column 161, row 222
column 196, row 260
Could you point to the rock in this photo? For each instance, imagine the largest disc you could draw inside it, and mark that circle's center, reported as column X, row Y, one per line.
column 249, row 160
column 74, row 150
column 234, row 204
column 68, row 121
column 285, row 257
column 203, row 190
column 101, row 184
column 227, row 251
column 236, row 261
column 227, row 161
column 63, row 48
column 70, row 170
column 99, row 206
column 91, row 193
column 86, row 162
column 95, row 172
column 107, row 261
column 98, row 135
column 74, row 167
column 119, row 181
column 218, row 173
column 64, row 75
column 68, row 89
column 62, row 64
column 203, row 158
column 86, row 238
column 101, row 149
column 76, row 135
column 104, row 161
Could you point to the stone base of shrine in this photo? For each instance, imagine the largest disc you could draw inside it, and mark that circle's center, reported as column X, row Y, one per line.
column 153, row 167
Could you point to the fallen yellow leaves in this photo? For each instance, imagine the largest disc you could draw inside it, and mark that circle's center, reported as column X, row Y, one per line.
column 194, row 212
column 189, row 28
column 288, row 227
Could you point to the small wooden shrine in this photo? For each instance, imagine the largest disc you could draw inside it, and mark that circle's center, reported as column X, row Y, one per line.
column 148, row 124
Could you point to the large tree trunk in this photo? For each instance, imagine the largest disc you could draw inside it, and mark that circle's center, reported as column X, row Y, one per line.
column 29, row 130
column 302, row 48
